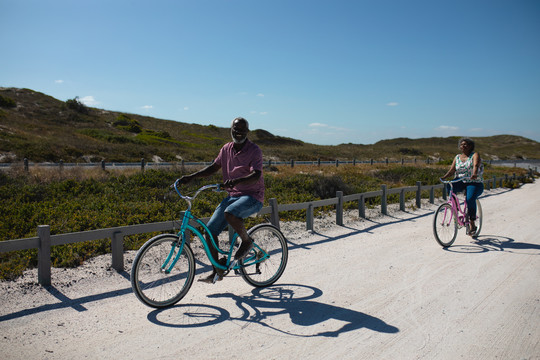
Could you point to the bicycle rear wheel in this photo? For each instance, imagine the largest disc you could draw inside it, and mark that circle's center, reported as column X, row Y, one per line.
column 479, row 217
column 151, row 281
column 271, row 247
column 445, row 226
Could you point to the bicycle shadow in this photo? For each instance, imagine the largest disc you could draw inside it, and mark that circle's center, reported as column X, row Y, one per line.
column 265, row 305
column 486, row 243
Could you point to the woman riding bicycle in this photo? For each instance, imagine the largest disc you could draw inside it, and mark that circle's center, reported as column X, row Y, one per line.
column 468, row 166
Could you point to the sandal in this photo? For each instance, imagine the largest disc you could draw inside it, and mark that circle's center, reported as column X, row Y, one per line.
column 216, row 275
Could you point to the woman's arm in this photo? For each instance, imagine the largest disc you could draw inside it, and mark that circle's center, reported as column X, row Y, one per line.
column 451, row 171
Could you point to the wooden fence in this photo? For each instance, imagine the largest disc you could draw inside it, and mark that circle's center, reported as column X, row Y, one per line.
column 143, row 164
column 44, row 240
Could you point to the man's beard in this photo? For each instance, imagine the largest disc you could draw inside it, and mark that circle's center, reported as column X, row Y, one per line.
column 236, row 141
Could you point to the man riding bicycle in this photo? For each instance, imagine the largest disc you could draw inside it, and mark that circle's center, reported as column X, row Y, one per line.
column 241, row 165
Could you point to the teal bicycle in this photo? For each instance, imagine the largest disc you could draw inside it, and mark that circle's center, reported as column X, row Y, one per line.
column 164, row 267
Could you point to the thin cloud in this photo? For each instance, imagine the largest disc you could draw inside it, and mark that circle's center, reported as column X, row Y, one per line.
column 186, row 108
column 392, row 104
column 89, row 101
column 317, row 126
column 147, row 107
column 59, row 81
column 447, row 128
column 260, row 95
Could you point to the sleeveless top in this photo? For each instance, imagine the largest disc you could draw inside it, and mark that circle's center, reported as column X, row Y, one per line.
column 465, row 169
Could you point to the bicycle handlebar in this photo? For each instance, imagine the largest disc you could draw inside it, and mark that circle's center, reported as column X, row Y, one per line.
column 453, row 180
column 217, row 187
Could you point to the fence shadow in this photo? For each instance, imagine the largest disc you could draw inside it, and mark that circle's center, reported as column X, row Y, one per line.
column 66, row 302
column 263, row 305
column 354, row 231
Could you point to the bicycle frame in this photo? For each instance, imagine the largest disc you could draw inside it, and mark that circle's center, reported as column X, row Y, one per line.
column 185, row 226
column 456, row 204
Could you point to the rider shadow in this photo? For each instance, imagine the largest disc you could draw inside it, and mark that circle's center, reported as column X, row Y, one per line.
column 263, row 304
column 486, row 243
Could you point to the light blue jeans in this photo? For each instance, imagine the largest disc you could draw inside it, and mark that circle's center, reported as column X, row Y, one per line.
column 239, row 206
column 473, row 190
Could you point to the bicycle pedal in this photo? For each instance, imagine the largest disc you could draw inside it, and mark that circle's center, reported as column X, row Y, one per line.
column 216, row 278
column 232, row 265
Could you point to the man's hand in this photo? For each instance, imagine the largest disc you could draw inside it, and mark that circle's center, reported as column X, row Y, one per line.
column 228, row 184
column 185, row 179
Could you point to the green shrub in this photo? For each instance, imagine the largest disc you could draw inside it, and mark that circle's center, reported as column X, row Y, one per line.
column 124, row 122
column 75, row 104
column 7, row 102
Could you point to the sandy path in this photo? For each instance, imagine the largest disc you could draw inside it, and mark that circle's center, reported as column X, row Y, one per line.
column 377, row 289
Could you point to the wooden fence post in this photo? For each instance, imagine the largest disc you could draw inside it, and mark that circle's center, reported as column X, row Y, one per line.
column 309, row 217
column 444, row 193
column 102, row 164
column 117, row 251
column 26, row 164
column 384, row 209
column 362, row 207
column 432, row 195
column 44, row 255
column 339, row 208
column 142, row 164
column 419, row 194
column 402, row 200
column 292, row 163
column 337, row 162
column 274, row 215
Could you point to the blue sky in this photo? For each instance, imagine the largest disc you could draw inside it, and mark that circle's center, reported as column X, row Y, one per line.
column 325, row 72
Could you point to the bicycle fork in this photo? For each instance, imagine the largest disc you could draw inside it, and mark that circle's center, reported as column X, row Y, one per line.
column 166, row 267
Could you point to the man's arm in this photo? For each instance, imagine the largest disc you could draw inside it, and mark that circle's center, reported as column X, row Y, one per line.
column 207, row 171
column 251, row 178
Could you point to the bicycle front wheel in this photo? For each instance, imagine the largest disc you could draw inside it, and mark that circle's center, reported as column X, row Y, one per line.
column 479, row 217
column 153, row 280
column 270, row 253
column 445, row 226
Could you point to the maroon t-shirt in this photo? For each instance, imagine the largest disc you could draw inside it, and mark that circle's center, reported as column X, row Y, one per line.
column 237, row 164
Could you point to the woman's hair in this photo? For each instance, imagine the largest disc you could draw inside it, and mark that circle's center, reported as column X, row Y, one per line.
column 470, row 142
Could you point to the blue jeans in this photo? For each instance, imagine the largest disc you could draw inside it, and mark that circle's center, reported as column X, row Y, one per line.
column 472, row 190
column 239, row 206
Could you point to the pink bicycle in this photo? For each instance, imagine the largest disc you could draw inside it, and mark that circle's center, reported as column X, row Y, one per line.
column 451, row 216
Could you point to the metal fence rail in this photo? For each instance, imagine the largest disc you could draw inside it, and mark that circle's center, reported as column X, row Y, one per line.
column 44, row 240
